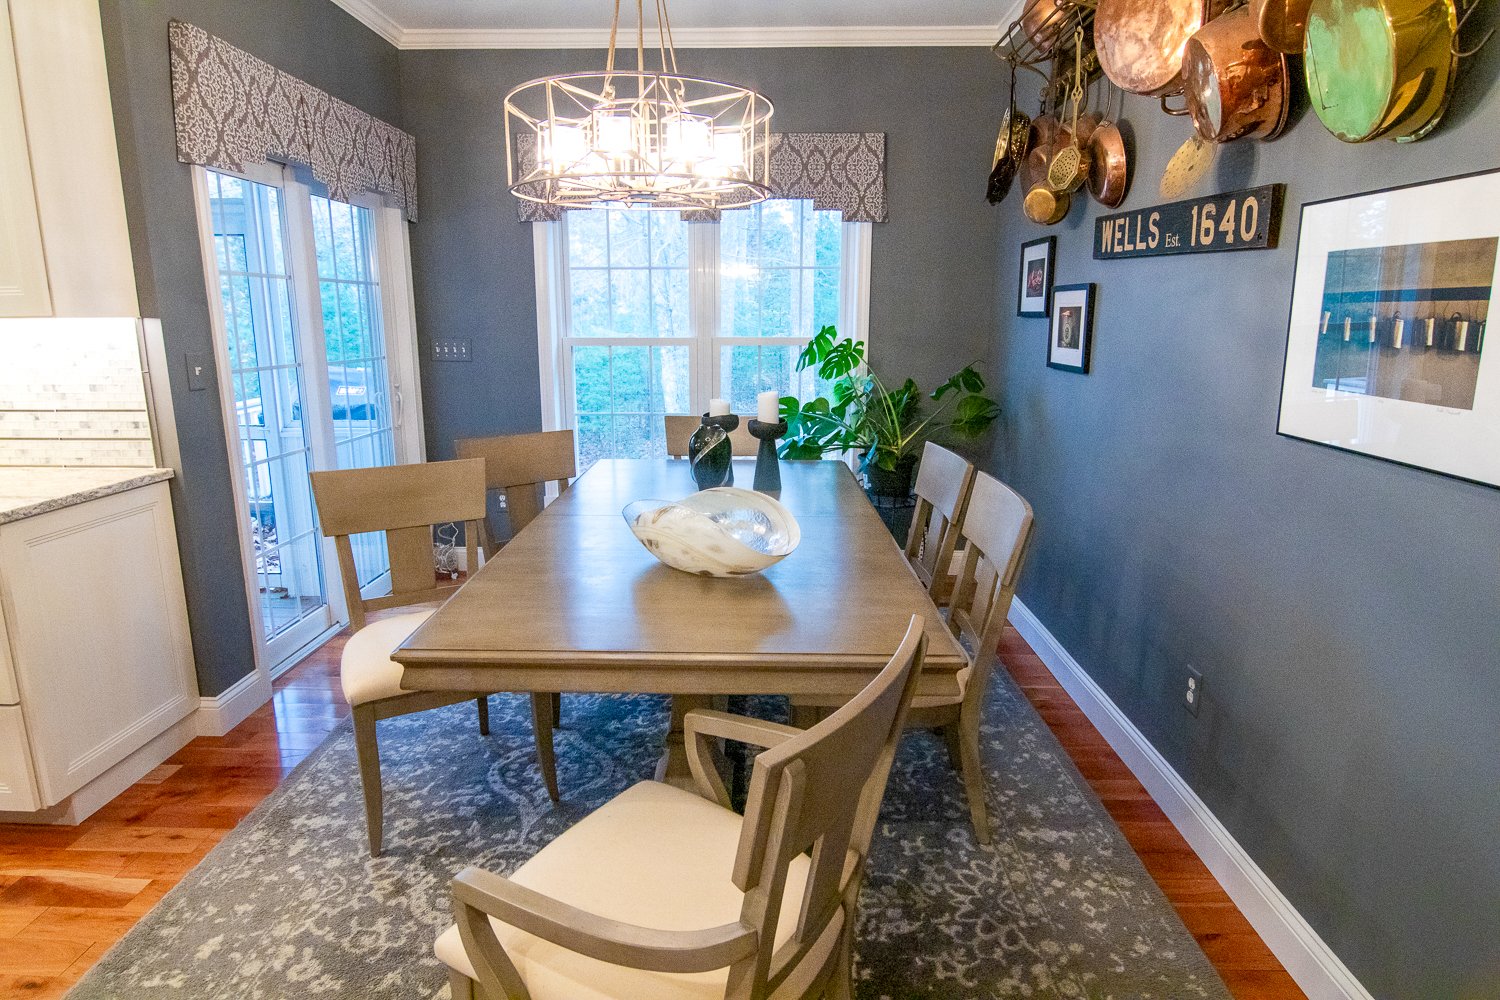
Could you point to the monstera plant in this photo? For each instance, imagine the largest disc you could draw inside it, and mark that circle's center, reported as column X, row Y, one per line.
column 886, row 426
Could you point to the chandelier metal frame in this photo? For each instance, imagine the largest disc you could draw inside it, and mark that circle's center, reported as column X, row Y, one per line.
column 638, row 138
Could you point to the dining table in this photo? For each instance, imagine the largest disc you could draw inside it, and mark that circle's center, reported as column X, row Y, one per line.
column 575, row 603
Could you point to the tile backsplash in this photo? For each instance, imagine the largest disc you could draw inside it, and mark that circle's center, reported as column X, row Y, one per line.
column 71, row 394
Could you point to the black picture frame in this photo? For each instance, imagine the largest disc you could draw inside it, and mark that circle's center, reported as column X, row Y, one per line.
column 1070, row 330
column 1027, row 305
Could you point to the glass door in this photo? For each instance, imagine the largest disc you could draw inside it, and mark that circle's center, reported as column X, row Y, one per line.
column 266, row 373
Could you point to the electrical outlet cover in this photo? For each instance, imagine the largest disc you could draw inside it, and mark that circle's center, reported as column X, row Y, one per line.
column 1192, row 691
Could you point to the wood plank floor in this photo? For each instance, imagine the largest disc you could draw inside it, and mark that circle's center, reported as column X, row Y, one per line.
column 68, row 893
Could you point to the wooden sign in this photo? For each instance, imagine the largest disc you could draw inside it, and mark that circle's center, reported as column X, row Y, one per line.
column 1235, row 220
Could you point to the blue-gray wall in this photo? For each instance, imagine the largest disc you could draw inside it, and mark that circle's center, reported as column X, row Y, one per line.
column 1345, row 611
column 313, row 40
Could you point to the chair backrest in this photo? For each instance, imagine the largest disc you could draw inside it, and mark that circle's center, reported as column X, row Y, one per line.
column 404, row 501
column 819, row 793
column 996, row 532
column 521, row 466
column 943, row 483
column 680, row 428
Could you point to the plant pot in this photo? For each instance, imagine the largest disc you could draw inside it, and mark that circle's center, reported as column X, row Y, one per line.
column 894, row 483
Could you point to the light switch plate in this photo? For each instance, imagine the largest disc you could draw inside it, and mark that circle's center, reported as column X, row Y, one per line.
column 452, row 349
column 200, row 371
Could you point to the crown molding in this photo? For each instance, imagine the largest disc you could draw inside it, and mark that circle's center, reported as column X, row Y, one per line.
column 368, row 13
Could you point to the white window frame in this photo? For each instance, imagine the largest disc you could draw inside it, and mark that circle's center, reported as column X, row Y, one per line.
column 550, row 251
column 398, row 321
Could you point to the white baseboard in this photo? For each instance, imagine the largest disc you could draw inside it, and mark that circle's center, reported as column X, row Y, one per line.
column 218, row 715
column 1291, row 939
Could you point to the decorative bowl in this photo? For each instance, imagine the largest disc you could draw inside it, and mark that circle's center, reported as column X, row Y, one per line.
column 722, row 532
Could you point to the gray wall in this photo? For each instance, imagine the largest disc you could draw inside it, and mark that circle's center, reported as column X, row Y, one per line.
column 934, row 298
column 1345, row 611
column 311, row 39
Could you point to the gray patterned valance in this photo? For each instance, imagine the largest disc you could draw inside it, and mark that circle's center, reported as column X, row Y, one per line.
column 232, row 108
column 837, row 170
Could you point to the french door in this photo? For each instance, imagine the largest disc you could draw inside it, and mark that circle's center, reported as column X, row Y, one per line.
column 312, row 360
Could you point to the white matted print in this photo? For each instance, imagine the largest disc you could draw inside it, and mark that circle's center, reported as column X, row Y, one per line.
column 1035, row 280
column 1071, row 331
column 1386, row 342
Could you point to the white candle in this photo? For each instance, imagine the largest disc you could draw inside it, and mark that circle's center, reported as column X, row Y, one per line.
column 768, row 407
column 718, row 407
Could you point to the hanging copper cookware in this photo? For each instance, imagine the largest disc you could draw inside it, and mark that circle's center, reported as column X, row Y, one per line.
column 1010, row 147
column 1282, row 23
column 1380, row 67
column 1043, row 21
column 1140, row 42
column 1235, row 84
column 1109, row 174
column 1045, row 206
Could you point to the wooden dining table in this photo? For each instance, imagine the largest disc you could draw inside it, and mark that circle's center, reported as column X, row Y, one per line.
column 574, row 603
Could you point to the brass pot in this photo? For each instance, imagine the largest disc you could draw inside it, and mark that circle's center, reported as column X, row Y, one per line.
column 1109, row 175
column 1235, row 84
column 1380, row 67
column 1046, row 206
column 1010, row 152
column 1140, row 42
column 1282, row 23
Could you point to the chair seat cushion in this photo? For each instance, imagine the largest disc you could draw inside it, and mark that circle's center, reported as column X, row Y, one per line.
column 655, row 856
column 367, row 671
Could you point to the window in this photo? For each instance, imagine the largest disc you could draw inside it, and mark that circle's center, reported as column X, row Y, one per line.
column 643, row 314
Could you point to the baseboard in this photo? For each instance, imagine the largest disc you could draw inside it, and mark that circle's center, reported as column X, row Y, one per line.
column 218, row 715
column 1291, row 939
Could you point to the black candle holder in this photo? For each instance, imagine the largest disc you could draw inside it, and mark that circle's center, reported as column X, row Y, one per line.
column 713, row 465
column 767, row 464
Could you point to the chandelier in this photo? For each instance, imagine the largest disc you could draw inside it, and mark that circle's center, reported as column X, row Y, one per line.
column 641, row 138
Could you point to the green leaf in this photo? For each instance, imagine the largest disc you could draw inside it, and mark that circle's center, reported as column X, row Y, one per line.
column 974, row 414
column 801, row 450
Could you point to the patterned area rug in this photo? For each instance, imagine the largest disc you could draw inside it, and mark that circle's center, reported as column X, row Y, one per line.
column 290, row 904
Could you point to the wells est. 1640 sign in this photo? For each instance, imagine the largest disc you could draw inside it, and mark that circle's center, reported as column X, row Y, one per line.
column 1235, row 220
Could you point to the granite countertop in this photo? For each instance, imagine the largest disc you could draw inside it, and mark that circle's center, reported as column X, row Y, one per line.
column 26, row 491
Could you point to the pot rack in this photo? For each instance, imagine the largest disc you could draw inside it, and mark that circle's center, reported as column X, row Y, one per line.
column 1060, row 20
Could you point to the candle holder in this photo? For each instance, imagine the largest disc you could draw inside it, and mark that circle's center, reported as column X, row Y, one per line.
column 710, row 452
column 767, row 464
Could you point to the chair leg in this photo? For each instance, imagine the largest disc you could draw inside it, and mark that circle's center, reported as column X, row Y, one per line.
column 841, row 984
column 541, row 725
column 968, row 744
column 556, row 700
column 952, row 739
column 484, row 715
column 461, row 986
column 368, row 752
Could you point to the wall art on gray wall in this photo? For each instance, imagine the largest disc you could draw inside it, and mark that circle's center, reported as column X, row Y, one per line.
column 1385, row 344
column 1070, row 338
column 1037, row 268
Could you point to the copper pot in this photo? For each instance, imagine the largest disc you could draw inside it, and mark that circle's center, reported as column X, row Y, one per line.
column 1109, row 176
column 1236, row 84
column 1282, row 23
column 1043, row 22
column 1140, row 42
column 1045, row 206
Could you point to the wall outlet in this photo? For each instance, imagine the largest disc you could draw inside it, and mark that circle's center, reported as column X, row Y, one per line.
column 452, row 349
column 1192, row 692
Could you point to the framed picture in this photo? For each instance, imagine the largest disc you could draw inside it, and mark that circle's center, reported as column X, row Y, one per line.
column 1036, row 277
column 1386, row 342
column 1072, row 328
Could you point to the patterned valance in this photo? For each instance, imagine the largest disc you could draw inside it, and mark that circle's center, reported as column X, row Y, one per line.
column 837, row 170
column 232, row 108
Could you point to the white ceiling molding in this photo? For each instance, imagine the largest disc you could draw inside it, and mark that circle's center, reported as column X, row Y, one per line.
column 852, row 36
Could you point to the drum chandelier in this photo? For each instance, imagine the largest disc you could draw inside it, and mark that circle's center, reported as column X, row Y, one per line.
column 638, row 138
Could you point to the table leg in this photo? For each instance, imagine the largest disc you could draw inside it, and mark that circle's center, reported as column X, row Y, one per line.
column 673, row 766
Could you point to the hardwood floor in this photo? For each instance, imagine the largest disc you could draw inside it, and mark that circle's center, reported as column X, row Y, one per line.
column 68, row 893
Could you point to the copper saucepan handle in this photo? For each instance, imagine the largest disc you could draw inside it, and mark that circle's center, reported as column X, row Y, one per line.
column 1171, row 110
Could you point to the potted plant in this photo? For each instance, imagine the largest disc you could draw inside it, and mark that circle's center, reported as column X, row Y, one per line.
column 887, row 426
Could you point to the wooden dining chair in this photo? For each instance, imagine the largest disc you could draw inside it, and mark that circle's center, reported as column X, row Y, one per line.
column 943, row 483
column 667, row 893
column 404, row 502
column 520, row 466
column 680, row 429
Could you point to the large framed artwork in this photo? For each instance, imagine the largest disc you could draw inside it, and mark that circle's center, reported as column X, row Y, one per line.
column 1072, row 328
column 1386, row 347
column 1036, row 277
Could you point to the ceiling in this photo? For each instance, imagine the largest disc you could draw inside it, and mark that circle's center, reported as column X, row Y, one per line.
column 501, row 24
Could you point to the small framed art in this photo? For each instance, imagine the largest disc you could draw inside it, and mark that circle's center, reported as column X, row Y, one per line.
column 1385, row 350
column 1036, row 277
column 1072, row 328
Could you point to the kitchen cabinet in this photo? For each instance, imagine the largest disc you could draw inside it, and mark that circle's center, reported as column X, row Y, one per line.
column 64, row 241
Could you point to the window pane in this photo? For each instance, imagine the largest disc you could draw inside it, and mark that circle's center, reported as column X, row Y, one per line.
column 588, row 245
column 621, row 394
column 745, row 370
column 780, row 263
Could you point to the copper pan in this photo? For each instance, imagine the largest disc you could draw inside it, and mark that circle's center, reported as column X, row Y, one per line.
column 1282, row 23
column 1109, row 176
column 1047, row 136
column 1236, row 85
column 1043, row 21
column 1140, row 42
column 1046, row 206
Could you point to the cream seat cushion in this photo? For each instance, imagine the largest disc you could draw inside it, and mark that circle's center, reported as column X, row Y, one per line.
column 367, row 671
column 655, row 856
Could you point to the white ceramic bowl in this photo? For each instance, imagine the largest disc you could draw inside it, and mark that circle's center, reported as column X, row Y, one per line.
column 723, row 532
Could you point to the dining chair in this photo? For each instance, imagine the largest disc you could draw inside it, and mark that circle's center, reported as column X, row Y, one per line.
column 943, row 483
column 680, row 428
column 520, row 466
column 404, row 502
column 669, row 894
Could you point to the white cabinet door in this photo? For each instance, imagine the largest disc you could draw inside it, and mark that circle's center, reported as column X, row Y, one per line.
column 98, row 628
column 23, row 268
column 17, row 789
